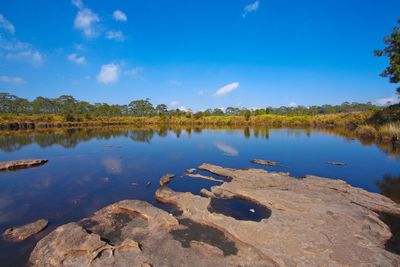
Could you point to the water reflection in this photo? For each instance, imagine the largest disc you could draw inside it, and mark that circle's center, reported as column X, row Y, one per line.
column 390, row 187
column 228, row 150
column 69, row 138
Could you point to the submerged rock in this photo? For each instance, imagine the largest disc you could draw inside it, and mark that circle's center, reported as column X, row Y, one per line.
column 312, row 222
column 265, row 162
column 23, row 232
column 21, row 164
column 335, row 163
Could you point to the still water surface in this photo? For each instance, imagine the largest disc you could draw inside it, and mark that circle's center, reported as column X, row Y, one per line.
column 91, row 168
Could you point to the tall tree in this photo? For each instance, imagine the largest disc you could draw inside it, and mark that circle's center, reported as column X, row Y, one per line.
column 392, row 51
column 141, row 108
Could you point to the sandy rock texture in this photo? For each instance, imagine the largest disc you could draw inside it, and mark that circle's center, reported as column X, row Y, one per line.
column 311, row 222
column 21, row 164
column 23, row 232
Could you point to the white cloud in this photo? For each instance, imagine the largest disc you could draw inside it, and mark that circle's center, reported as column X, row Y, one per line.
column 77, row 3
column 388, row 101
column 12, row 80
column 228, row 150
column 6, row 25
column 135, row 72
column 32, row 56
column 108, row 73
column 200, row 92
column 12, row 49
column 115, row 35
column 173, row 104
column 118, row 15
column 182, row 108
column 253, row 7
column 175, row 82
column 86, row 21
column 76, row 59
column 227, row 89
column 292, row 104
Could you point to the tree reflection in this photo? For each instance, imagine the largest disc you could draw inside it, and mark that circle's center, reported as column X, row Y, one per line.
column 390, row 186
column 70, row 137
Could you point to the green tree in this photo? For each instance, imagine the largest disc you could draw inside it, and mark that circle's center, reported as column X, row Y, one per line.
column 161, row 109
column 43, row 105
column 141, row 108
column 247, row 114
column 392, row 51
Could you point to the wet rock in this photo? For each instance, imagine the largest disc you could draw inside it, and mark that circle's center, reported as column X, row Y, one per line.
column 335, row 163
column 200, row 176
column 204, row 192
column 134, row 233
column 21, row 164
column 192, row 170
column 166, row 179
column 265, row 162
column 314, row 221
column 25, row 231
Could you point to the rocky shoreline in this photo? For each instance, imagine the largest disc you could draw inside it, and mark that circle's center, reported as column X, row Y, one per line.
column 286, row 222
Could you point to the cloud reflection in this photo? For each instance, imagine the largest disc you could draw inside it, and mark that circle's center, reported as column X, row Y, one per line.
column 112, row 165
column 228, row 150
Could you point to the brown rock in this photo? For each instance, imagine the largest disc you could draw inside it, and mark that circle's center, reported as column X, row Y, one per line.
column 314, row 222
column 25, row 231
column 134, row 233
column 265, row 162
column 166, row 179
column 21, row 164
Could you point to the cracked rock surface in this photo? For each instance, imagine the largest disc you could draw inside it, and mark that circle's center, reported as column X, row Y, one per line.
column 312, row 222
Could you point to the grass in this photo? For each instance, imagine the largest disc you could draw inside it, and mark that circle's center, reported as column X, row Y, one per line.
column 366, row 131
column 331, row 120
column 389, row 132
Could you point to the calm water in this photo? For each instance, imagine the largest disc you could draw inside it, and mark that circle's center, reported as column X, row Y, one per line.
column 89, row 169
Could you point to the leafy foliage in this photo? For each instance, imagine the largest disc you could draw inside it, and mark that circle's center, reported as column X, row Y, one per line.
column 63, row 105
column 392, row 51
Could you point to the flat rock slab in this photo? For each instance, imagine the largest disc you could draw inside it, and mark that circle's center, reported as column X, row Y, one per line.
column 313, row 222
column 135, row 233
column 25, row 231
column 166, row 179
column 265, row 162
column 21, row 164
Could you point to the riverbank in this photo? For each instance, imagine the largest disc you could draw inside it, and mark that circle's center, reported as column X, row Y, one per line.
column 359, row 122
column 353, row 119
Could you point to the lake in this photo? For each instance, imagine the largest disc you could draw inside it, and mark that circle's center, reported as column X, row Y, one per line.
column 91, row 168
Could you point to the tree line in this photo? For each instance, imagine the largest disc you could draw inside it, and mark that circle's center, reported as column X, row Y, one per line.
column 69, row 106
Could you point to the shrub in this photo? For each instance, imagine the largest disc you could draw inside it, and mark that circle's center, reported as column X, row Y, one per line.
column 390, row 132
column 366, row 131
column 386, row 115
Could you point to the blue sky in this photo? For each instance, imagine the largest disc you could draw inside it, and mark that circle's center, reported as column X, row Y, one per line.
column 197, row 54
